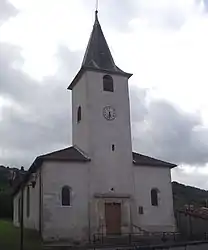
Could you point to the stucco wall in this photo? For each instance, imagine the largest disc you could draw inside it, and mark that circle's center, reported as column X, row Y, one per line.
column 110, row 169
column 80, row 131
column 32, row 221
column 16, row 210
column 61, row 222
column 94, row 133
column 155, row 218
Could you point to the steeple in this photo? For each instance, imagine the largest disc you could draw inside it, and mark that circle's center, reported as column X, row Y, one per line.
column 97, row 55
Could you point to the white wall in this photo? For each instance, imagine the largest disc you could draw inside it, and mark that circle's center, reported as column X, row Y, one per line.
column 155, row 218
column 65, row 222
column 95, row 135
column 80, row 131
column 16, row 209
column 32, row 221
column 109, row 168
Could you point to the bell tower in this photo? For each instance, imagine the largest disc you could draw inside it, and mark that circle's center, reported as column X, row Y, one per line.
column 100, row 105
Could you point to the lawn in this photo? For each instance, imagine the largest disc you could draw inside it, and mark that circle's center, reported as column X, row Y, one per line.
column 10, row 238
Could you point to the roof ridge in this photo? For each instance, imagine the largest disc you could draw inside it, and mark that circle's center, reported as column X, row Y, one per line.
column 150, row 160
column 57, row 151
column 81, row 151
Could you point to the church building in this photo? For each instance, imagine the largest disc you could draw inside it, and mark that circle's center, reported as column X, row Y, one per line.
column 97, row 185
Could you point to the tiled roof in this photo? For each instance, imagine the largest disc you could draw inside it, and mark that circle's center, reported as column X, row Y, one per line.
column 196, row 212
column 144, row 160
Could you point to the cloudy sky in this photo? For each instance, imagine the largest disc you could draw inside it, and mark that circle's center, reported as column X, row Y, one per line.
column 163, row 42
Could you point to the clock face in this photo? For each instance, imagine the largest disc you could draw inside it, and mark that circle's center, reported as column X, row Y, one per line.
column 109, row 113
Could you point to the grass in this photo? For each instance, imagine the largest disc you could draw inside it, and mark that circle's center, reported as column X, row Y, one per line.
column 10, row 237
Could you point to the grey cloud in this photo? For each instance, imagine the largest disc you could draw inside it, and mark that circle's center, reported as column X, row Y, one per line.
column 68, row 62
column 165, row 14
column 117, row 13
column 171, row 134
column 138, row 99
column 39, row 120
column 6, row 10
column 197, row 179
column 205, row 4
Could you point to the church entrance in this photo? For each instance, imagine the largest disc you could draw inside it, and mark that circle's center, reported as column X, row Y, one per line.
column 113, row 218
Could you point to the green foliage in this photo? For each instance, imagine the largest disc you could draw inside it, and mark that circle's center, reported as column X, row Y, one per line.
column 188, row 195
column 10, row 237
column 6, row 208
column 5, row 194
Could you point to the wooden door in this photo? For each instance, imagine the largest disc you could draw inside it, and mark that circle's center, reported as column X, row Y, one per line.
column 113, row 218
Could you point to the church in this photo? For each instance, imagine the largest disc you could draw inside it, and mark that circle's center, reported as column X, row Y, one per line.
column 97, row 185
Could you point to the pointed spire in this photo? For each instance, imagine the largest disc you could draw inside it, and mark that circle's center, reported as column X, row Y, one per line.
column 98, row 55
column 96, row 16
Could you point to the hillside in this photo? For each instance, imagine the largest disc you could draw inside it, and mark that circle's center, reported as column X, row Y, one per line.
column 182, row 194
column 6, row 190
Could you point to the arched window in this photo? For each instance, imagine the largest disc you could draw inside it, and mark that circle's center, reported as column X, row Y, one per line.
column 154, row 197
column 66, row 196
column 108, row 83
column 28, row 201
column 79, row 114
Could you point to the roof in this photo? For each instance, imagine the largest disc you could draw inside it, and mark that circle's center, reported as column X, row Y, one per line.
column 74, row 154
column 201, row 213
column 98, row 56
column 70, row 154
column 144, row 160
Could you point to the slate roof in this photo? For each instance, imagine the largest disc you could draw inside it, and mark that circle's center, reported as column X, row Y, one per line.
column 67, row 154
column 98, row 56
column 74, row 154
column 70, row 154
column 144, row 160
